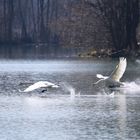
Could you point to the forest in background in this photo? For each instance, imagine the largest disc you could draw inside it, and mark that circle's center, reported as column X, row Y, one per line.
column 99, row 24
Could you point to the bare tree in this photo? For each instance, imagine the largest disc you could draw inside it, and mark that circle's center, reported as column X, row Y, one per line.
column 121, row 18
column 42, row 26
column 4, row 18
column 23, row 21
column 33, row 20
column 10, row 18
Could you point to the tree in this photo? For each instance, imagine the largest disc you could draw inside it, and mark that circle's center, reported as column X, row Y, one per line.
column 10, row 19
column 42, row 26
column 22, row 14
column 121, row 18
column 80, row 27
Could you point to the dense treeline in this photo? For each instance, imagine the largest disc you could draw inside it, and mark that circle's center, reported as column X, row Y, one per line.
column 121, row 18
column 65, row 22
column 27, row 20
column 71, row 23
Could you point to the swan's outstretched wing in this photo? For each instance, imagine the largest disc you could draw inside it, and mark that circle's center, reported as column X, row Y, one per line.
column 40, row 84
column 34, row 87
column 117, row 74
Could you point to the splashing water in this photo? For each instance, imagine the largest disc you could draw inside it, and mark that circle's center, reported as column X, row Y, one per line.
column 127, row 88
column 70, row 89
column 132, row 86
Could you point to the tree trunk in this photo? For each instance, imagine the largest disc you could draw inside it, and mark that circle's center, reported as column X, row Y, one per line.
column 42, row 27
column 132, row 21
column 48, row 21
column 10, row 19
column 23, row 28
column 34, row 21
column 4, row 19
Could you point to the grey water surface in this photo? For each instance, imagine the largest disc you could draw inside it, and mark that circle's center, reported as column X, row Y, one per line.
column 59, row 114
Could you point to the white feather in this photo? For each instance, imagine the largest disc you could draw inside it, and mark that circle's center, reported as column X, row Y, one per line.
column 117, row 74
column 101, row 76
column 40, row 84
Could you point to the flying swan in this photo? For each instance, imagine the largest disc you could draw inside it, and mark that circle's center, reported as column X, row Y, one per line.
column 114, row 79
column 40, row 84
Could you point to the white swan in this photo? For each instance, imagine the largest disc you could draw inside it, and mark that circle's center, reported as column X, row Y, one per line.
column 114, row 79
column 40, row 84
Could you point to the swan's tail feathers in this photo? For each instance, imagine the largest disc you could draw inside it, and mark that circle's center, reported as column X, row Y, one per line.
column 117, row 74
column 101, row 76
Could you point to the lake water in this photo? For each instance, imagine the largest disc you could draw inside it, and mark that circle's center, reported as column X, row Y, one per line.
column 59, row 114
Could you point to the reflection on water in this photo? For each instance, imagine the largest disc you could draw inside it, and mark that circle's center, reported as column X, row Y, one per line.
column 76, row 111
column 122, row 107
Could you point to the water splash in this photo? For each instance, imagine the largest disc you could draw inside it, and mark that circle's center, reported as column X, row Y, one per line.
column 127, row 88
column 69, row 88
column 132, row 86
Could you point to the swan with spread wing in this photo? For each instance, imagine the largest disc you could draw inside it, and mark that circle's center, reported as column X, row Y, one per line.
column 41, row 84
column 114, row 79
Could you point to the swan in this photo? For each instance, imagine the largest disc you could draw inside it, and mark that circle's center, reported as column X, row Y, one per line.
column 40, row 84
column 114, row 79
